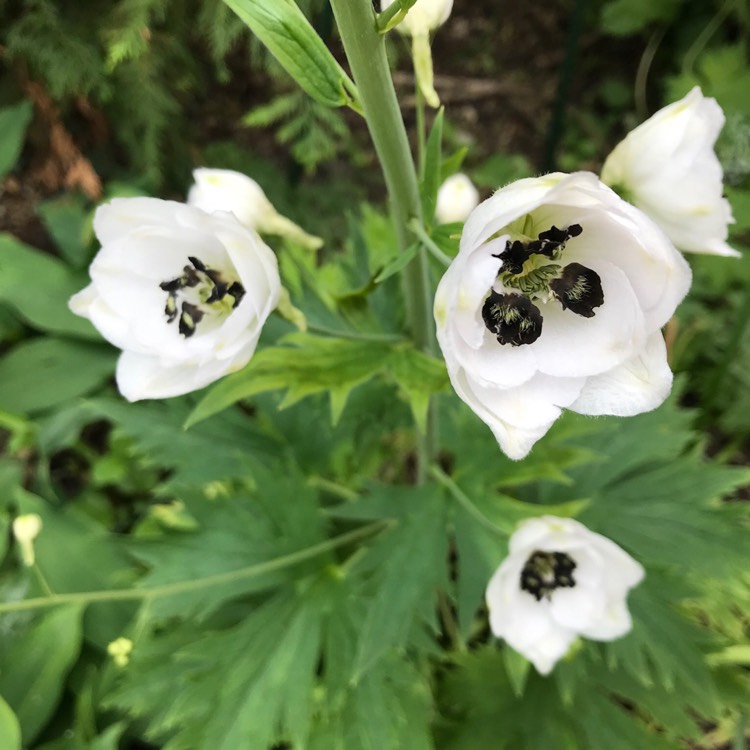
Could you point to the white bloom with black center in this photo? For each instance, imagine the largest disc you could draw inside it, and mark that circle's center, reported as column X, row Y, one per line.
column 183, row 293
column 667, row 167
column 560, row 581
column 227, row 190
column 556, row 300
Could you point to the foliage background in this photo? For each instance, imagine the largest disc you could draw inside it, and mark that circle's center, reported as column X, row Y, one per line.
column 283, row 581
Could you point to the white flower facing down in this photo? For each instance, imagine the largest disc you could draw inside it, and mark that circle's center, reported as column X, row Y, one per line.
column 183, row 293
column 667, row 167
column 560, row 581
column 555, row 300
column 226, row 190
column 424, row 16
column 456, row 199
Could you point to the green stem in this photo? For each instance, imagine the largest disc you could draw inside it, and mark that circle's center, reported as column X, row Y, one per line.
column 196, row 584
column 393, row 15
column 365, row 50
column 465, row 502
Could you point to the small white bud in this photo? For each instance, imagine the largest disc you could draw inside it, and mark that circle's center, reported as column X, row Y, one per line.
column 456, row 199
column 26, row 529
column 120, row 650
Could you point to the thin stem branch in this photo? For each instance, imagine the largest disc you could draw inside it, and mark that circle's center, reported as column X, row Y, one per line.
column 196, row 584
column 429, row 244
column 464, row 501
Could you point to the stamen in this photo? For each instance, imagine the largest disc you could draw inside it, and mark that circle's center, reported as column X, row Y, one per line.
column 238, row 292
column 189, row 319
column 170, row 309
column 212, row 289
column 514, row 319
column 579, row 289
column 546, row 571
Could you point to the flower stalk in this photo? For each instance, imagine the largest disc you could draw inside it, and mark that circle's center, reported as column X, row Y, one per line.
column 365, row 50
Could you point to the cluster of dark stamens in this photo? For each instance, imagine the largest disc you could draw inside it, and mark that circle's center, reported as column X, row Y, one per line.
column 191, row 314
column 546, row 571
column 513, row 317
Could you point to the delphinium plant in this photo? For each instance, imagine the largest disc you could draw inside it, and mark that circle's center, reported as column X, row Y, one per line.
column 433, row 493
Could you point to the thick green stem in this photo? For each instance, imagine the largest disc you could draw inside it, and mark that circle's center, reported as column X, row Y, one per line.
column 365, row 50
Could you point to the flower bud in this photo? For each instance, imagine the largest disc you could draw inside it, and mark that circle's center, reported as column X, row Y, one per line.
column 424, row 16
column 26, row 529
column 120, row 650
column 456, row 199
column 226, row 190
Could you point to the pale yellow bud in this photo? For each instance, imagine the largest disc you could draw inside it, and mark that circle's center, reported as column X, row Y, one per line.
column 26, row 528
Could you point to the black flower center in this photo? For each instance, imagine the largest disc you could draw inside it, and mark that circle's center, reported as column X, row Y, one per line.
column 514, row 319
column 200, row 291
column 546, row 571
column 533, row 268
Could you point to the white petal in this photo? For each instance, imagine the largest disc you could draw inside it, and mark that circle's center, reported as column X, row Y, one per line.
column 639, row 385
column 574, row 346
column 577, row 608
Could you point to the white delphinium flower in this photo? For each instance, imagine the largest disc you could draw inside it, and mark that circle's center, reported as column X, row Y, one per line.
column 556, row 300
column 456, row 199
column 182, row 292
column 421, row 19
column 226, row 190
column 560, row 581
column 667, row 167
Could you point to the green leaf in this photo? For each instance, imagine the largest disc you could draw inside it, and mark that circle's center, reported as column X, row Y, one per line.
column 397, row 264
column 432, row 167
column 38, row 287
column 420, row 376
column 42, row 373
column 283, row 28
column 409, row 566
column 35, row 665
column 624, row 17
column 67, row 220
column 13, row 123
column 98, row 563
column 304, row 364
column 10, row 730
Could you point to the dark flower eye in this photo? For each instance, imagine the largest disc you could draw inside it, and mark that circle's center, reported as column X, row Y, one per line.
column 579, row 289
column 513, row 318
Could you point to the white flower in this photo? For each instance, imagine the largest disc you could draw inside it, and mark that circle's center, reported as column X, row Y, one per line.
column 183, row 293
column 556, row 299
column 456, row 199
column 667, row 167
column 560, row 581
column 424, row 16
column 226, row 190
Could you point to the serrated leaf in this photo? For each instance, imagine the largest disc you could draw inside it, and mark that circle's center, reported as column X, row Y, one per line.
column 45, row 372
column 13, row 123
column 410, row 567
column 35, row 665
column 421, row 377
column 397, row 264
column 38, row 287
column 283, row 28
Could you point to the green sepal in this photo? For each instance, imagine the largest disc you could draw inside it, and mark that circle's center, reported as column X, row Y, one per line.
column 283, row 28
